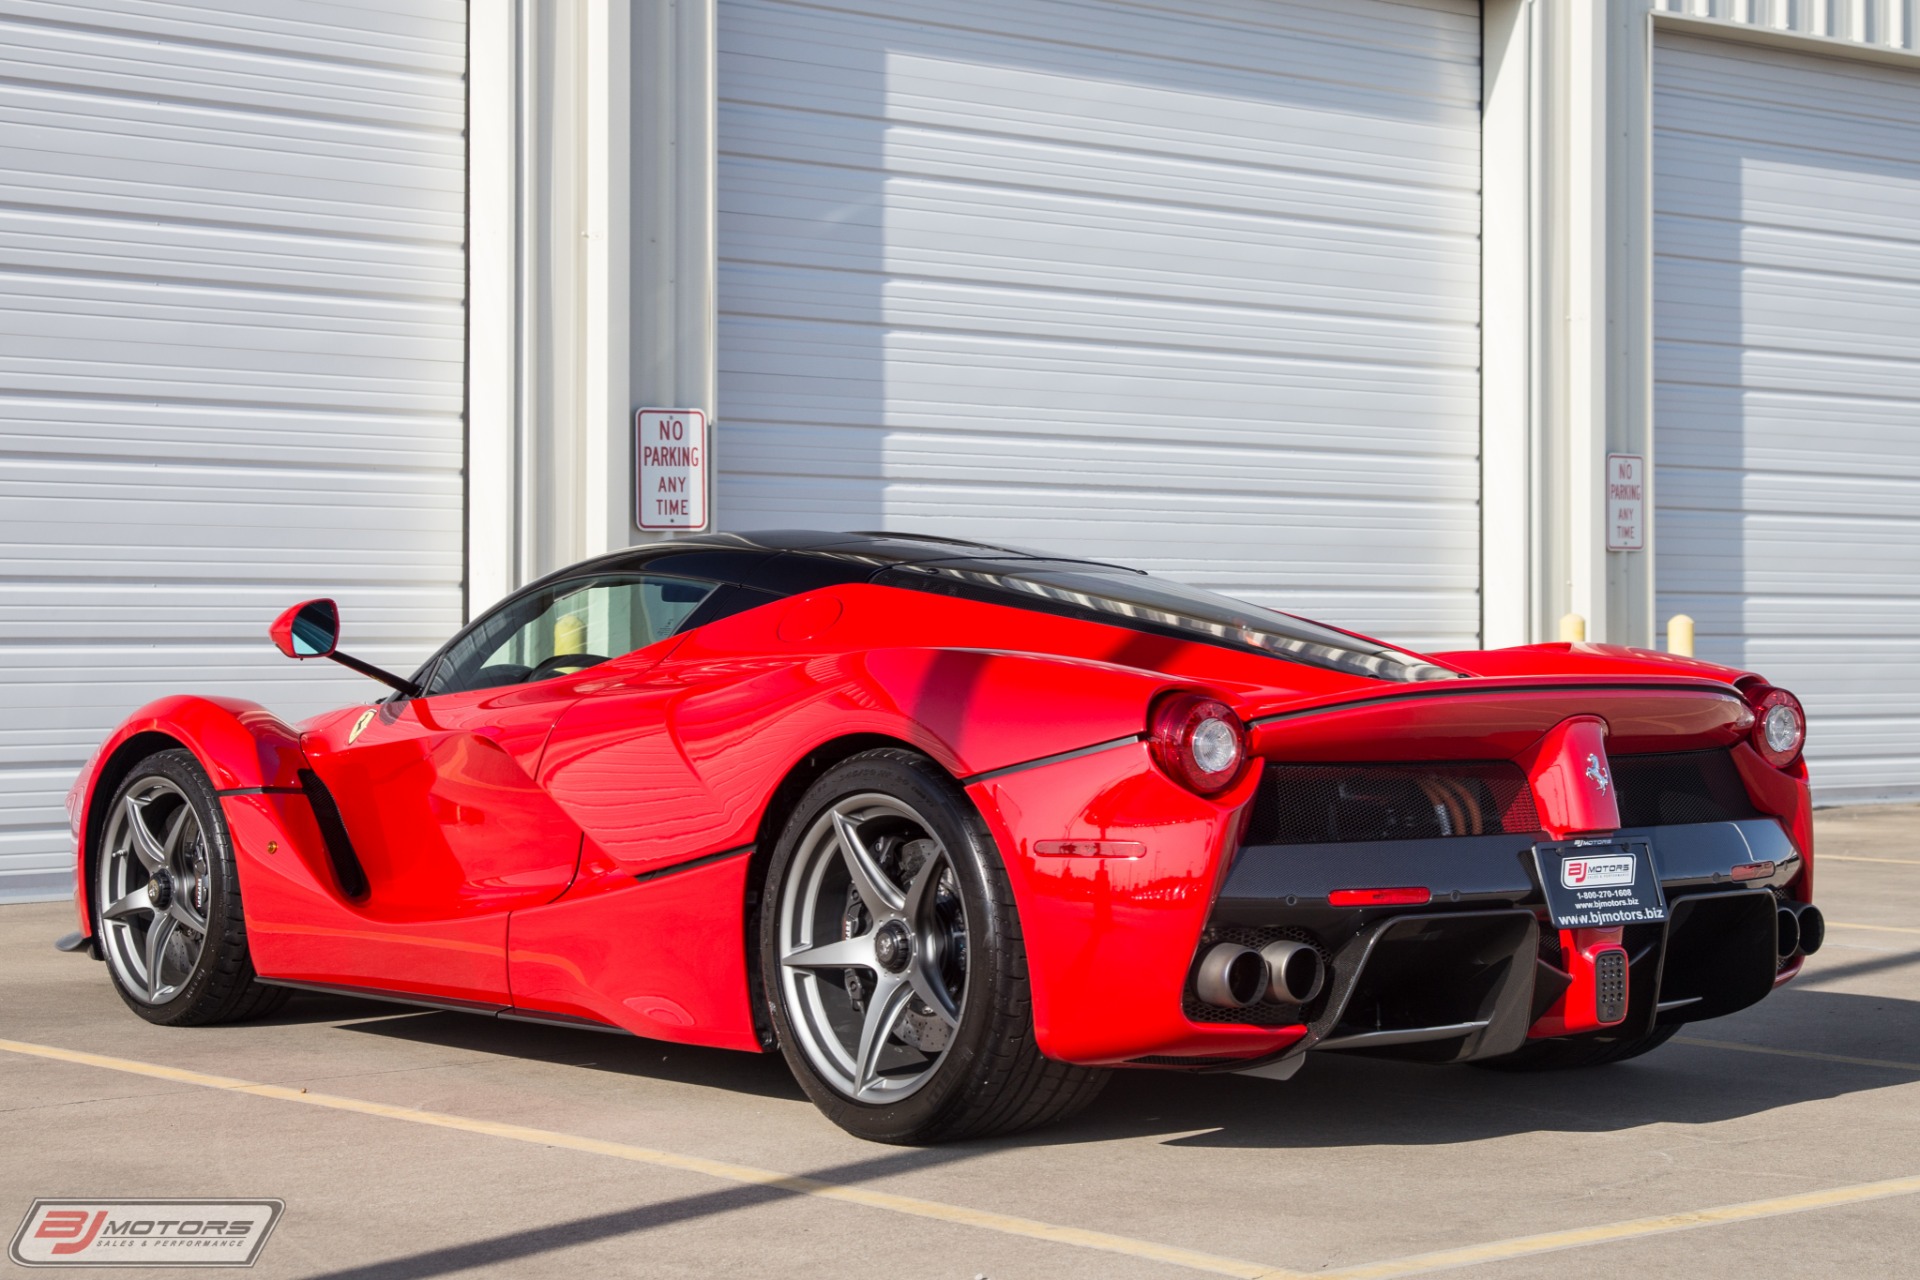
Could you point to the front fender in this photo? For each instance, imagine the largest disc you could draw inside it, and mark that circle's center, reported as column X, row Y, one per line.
column 240, row 744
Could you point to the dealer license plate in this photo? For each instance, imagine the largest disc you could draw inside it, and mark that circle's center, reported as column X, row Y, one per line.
column 1597, row 884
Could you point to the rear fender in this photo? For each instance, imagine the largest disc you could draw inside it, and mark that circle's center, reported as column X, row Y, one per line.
column 240, row 744
column 1785, row 796
column 977, row 710
column 1110, row 939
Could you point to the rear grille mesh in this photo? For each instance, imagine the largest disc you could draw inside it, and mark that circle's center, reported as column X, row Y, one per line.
column 1679, row 786
column 1335, row 804
column 1332, row 803
column 1610, row 986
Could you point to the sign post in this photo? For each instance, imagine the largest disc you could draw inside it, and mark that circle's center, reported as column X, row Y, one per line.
column 670, row 469
column 1626, row 502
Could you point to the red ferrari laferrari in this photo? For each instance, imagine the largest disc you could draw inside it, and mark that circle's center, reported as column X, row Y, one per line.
column 956, row 828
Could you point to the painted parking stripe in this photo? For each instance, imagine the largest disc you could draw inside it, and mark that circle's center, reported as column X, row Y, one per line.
column 1874, row 928
column 910, row 1205
column 1607, row 1233
column 1416, row 1264
column 1849, row 857
column 1808, row 1054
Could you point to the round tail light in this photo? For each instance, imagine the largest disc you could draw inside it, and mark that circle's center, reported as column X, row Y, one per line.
column 1198, row 742
column 1779, row 725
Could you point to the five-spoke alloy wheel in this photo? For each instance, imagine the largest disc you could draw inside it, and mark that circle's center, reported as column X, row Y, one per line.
column 893, row 962
column 166, row 899
column 873, row 948
column 154, row 885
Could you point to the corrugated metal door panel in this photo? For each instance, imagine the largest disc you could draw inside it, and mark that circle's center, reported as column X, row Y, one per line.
column 232, row 275
column 1787, row 399
column 1193, row 288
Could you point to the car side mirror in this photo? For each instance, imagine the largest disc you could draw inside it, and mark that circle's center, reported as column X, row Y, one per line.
column 310, row 629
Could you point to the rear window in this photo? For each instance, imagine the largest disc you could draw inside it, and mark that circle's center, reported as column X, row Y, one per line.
column 1125, row 598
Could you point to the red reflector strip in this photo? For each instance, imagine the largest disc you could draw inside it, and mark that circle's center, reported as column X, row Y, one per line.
column 1753, row 871
column 1089, row 849
column 1408, row 897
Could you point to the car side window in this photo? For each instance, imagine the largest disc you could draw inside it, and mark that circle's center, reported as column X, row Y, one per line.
column 567, row 627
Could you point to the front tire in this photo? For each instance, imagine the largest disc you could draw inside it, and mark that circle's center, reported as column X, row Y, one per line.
column 166, row 900
column 895, row 971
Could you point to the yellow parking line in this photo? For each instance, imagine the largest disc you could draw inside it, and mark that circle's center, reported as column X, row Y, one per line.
column 1875, row 928
column 1501, row 1250
column 1417, row 1264
column 1808, row 1054
column 956, row 1214
column 1848, row 857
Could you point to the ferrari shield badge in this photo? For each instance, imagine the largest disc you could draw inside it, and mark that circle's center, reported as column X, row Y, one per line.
column 360, row 725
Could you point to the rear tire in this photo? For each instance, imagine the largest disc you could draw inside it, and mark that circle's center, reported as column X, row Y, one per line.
column 1568, row 1055
column 166, row 900
column 907, row 1019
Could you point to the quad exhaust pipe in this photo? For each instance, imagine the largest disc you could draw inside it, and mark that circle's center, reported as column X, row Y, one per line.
column 1802, row 928
column 1295, row 972
column 1813, row 928
column 1232, row 976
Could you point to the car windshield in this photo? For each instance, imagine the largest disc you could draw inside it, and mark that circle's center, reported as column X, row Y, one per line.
column 1144, row 603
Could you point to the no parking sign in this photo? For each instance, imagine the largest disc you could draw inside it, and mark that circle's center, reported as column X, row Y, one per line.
column 670, row 468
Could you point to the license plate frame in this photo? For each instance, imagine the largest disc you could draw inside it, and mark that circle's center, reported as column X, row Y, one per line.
column 1600, row 883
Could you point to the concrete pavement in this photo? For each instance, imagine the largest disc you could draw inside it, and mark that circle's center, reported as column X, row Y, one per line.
column 1350, row 1163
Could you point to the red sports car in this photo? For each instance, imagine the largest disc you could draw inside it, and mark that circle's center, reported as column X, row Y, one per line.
column 956, row 828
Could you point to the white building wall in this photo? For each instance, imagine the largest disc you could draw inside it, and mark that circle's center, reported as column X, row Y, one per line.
column 1194, row 289
column 1885, row 24
column 1567, row 293
column 1788, row 396
column 231, row 360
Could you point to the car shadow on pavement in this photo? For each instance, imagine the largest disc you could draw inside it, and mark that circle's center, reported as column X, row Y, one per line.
column 1343, row 1100
column 513, row 1246
column 764, row 1075
column 1336, row 1100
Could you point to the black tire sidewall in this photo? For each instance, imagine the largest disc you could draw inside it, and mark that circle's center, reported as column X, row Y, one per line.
column 192, row 1004
column 992, row 934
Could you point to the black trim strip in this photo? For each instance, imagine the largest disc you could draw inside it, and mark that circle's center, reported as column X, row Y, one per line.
column 560, row 1020
column 1326, row 708
column 448, row 1003
column 691, row 863
column 262, row 791
column 1055, row 758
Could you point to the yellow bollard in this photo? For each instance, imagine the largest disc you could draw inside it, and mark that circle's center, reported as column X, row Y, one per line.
column 1573, row 628
column 569, row 634
column 1680, row 635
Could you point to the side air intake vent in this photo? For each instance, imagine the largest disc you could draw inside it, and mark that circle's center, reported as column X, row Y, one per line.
column 333, row 830
column 1324, row 803
column 1679, row 786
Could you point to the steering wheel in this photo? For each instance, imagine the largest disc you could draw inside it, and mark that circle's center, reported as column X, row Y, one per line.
column 559, row 662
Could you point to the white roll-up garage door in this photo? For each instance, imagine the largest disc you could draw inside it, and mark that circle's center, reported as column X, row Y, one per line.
column 1787, row 404
column 231, row 361
column 1193, row 287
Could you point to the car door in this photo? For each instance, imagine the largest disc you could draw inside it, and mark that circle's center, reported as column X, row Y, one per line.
column 437, row 793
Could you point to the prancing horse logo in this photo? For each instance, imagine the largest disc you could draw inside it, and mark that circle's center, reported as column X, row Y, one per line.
column 1598, row 772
